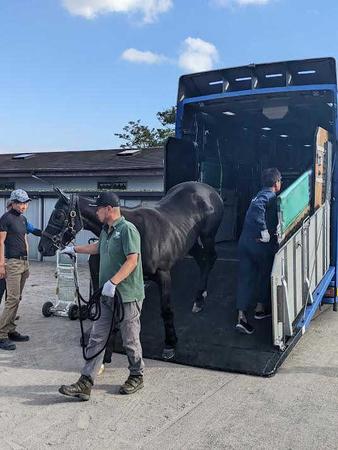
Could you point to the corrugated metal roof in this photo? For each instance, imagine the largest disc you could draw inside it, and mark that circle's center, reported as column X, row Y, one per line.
column 82, row 161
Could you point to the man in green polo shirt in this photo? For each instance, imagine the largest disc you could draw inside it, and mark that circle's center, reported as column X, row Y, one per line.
column 119, row 247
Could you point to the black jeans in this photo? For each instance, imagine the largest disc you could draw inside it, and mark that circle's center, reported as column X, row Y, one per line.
column 255, row 265
column 2, row 287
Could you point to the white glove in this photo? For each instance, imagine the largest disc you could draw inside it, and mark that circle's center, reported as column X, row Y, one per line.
column 279, row 229
column 108, row 289
column 265, row 236
column 68, row 250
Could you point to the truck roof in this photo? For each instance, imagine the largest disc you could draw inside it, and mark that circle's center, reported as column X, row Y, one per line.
column 305, row 72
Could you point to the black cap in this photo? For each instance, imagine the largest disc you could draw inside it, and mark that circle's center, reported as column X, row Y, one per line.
column 107, row 199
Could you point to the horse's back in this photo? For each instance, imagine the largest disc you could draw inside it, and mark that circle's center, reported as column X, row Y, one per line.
column 184, row 201
column 189, row 187
column 170, row 227
column 195, row 196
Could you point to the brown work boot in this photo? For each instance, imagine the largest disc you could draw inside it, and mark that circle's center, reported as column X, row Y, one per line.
column 133, row 384
column 81, row 389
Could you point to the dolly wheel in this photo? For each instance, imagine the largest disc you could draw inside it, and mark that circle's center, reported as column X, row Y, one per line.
column 73, row 312
column 46, row 309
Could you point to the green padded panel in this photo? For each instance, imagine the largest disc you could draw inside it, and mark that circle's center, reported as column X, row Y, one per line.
column 294, row 201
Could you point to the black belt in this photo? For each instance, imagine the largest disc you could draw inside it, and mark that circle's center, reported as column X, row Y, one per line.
column 22, row 258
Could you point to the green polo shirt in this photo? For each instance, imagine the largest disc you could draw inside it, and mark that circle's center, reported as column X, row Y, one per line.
column 115, row 245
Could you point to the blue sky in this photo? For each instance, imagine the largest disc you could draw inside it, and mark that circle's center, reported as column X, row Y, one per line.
column 73, row 72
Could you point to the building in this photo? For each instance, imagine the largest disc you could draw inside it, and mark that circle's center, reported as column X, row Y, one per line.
column 136, row 175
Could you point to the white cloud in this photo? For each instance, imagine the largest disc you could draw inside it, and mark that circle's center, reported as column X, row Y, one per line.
column 89, row 9
column 197, row 55
column 137, row 56
column 253, row 2
column 241, row 2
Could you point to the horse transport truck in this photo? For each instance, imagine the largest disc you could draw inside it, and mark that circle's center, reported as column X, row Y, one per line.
column 232, row 124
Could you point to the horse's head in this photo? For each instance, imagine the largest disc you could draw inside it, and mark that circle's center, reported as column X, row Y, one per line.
column 64, row 223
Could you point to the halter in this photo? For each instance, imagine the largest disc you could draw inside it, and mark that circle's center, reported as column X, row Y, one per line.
column 69, row 223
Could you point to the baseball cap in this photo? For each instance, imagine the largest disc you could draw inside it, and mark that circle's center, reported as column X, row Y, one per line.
column 19, row 195
column 107, row 199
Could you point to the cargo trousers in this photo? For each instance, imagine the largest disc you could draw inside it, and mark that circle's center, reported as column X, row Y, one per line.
column 130, row 328
column 17, row 272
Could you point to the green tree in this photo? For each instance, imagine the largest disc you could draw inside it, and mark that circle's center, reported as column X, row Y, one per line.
column 137, row 135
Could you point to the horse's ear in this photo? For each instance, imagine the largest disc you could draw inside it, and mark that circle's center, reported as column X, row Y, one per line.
column 61, row 194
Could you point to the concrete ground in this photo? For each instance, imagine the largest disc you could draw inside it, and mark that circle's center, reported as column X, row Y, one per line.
column 179, row 408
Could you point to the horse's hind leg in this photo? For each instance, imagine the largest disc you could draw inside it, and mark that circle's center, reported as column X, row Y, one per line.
column 163, row 279
column 199, row 256
column 205, row 255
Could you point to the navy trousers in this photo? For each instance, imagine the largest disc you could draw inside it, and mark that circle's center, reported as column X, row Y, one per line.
column 255, row 265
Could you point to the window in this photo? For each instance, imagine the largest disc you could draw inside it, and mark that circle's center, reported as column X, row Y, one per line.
column 23, row 156
column 129, row 152
column 112, row 185
column 9, row 186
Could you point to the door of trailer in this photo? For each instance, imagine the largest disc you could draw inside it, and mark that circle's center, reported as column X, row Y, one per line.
column 304, row 259
column 180, row 162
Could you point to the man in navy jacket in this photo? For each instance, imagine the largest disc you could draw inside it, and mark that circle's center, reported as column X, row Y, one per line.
column 257, row 248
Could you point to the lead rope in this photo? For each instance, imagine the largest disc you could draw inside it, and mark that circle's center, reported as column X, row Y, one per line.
column 93, row 309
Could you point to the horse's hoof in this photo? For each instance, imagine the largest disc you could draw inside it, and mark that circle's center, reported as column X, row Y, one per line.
column 197, row 308
column 168, row 353
column 101, row 370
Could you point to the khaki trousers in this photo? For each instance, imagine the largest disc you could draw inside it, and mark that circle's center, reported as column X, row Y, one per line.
column 17, row 272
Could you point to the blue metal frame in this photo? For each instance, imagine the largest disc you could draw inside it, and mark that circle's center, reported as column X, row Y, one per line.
column 328, row 301
column 319, row 293
column 334, row 213
column 234, row 94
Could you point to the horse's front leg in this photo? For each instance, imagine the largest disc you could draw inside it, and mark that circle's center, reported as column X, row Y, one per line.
column 164, row 283
column 94, row 266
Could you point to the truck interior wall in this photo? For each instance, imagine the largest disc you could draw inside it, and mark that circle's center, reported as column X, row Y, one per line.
column 236, row 140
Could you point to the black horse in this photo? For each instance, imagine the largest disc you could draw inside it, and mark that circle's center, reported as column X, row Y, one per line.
column 183, row 222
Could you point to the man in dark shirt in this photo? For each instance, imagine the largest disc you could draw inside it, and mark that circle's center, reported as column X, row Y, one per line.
column 257, row 248
column 13, row 266
column 30, row 229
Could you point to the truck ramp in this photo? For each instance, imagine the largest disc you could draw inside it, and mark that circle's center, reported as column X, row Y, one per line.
column 208, row 339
